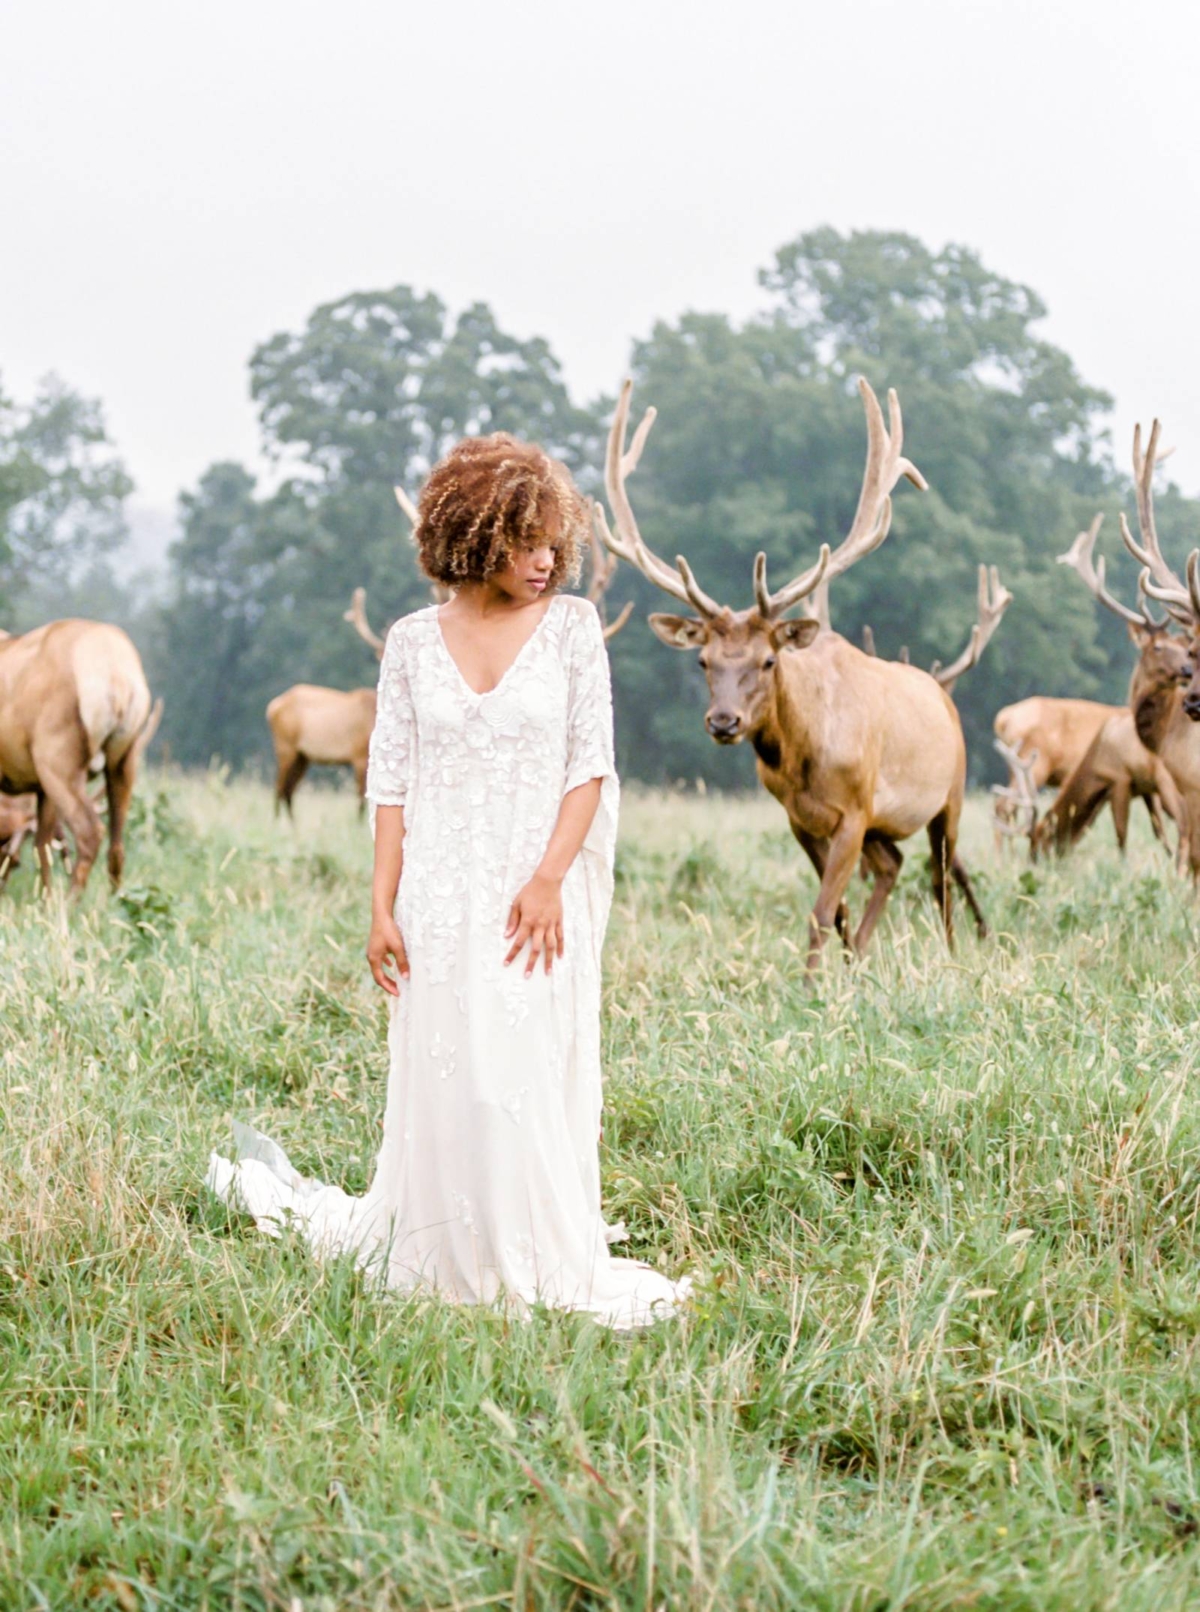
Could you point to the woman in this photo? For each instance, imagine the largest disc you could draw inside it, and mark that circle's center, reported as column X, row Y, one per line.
column 494, row 805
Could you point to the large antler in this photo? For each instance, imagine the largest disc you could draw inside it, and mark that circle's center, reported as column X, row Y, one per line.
column 994, row 600
column 1021, row 791
column 1091, row 573
column 872, row 519
column 604, row 568
column 357, row 617
column 1157, row 580
column 628, row 543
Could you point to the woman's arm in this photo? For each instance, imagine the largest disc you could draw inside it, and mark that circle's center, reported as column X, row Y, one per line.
column 536, row 914
column 385, row 939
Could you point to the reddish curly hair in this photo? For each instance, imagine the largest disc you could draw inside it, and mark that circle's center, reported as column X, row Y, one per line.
column 490, row 497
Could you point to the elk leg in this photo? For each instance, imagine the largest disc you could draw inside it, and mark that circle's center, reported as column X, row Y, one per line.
column 885, row 858
column 1122, row 799
column 290, row 774
column 816, row 850
column 62, row 797
column 1154, row 807
column 842, row 852
column 963, row 880
column 118, row 782
column 360, row 780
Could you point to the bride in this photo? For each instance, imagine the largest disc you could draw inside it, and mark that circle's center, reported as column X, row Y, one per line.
column 494, row 805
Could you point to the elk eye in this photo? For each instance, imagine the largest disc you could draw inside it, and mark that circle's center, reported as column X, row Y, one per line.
column 768, row 663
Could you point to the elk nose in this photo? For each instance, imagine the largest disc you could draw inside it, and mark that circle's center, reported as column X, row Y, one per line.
column 1191, row 705
column 723, row 724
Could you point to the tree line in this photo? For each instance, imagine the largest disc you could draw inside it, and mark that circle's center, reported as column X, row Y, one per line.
column 759, row 444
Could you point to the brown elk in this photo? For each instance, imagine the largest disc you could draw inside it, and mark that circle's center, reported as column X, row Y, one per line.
column 1116, row 770
column 70, row 691
column 860, row 752
column 1167, row 719
column 326, row 726
column 18, row 820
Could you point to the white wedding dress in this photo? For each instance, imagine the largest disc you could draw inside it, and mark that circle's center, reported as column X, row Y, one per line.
column 487, row 1184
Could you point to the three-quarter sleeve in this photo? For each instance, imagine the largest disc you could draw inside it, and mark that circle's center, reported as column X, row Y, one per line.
column 590, row 707
column 392, row 754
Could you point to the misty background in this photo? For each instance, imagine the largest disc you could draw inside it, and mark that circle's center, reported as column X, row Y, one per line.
column 990, row 206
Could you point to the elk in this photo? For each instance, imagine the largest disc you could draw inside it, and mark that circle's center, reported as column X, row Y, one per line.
column 18, row 820
column 1166, row 718
column 70, row 691
column 324, row 725
column 860, row 752
column 1116, row 770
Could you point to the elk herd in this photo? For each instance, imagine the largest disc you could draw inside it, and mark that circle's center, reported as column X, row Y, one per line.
column 861, row 752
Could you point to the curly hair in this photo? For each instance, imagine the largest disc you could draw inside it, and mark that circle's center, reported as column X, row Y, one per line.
column 490, row 497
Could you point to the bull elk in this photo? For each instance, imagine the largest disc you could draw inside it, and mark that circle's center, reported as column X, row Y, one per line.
column 1168, row 720
column 1116, row 770
column 860, row 752
column 70, row 691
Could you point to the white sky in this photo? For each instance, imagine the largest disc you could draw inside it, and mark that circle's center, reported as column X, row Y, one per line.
column 179, row 181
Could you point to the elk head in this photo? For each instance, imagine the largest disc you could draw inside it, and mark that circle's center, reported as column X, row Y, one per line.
column 1158, row 581
column 739, row 649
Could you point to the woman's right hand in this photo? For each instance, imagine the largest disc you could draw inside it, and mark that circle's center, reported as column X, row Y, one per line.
column 384, row 941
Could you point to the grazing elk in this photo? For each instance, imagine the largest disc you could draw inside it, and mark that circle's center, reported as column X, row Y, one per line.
column 18, row 820
column 70, row 691
column 1051, row 737
column 1116, row 770
column 860, row 752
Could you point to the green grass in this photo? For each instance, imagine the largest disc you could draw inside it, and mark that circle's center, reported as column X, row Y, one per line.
column 943, row 1211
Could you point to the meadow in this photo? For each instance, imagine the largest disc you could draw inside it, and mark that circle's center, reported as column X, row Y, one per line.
column 943, row 1213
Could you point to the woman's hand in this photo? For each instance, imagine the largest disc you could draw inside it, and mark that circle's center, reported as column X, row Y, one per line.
column 536, row 917
column 384, row 941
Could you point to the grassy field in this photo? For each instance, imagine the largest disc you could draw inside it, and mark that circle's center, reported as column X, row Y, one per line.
column 943, row 1211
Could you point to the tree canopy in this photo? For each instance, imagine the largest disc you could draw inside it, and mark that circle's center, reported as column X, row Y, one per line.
column 760, row 444
column 61, row 494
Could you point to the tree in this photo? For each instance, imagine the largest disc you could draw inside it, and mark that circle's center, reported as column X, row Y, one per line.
column 61, row 493
column 760, row 444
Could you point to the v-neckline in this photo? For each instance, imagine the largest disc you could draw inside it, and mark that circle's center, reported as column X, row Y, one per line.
column 508, row 670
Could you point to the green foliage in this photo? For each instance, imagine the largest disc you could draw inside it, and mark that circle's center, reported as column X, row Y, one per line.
column 61, row 495
column 943, row 1214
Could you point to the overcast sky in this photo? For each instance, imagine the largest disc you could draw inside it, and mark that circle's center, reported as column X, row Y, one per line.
column 179, row 181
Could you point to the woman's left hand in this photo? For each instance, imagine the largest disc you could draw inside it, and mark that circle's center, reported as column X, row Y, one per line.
column 536, row 916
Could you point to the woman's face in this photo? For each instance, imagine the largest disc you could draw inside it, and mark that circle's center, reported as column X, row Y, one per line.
column 527, row 575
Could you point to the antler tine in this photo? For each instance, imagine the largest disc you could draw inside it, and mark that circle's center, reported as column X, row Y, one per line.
column 1092, row 573
column 873, row 517
column 357, row 617
column 627, row 543
column 1193, row 577
column 1149, row 552
column 407, row 505
column 1178, row 604
column 614, row 627
column 604, row 567
column 993, row 600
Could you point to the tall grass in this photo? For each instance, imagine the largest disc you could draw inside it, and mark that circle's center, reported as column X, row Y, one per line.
column 943, row 1211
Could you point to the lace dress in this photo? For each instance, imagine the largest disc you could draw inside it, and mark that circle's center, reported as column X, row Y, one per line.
column 487, row 1184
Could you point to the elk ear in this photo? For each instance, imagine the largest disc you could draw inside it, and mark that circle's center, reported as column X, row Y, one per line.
column 795, row 634
column 680, row 632
column 1137, row 633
